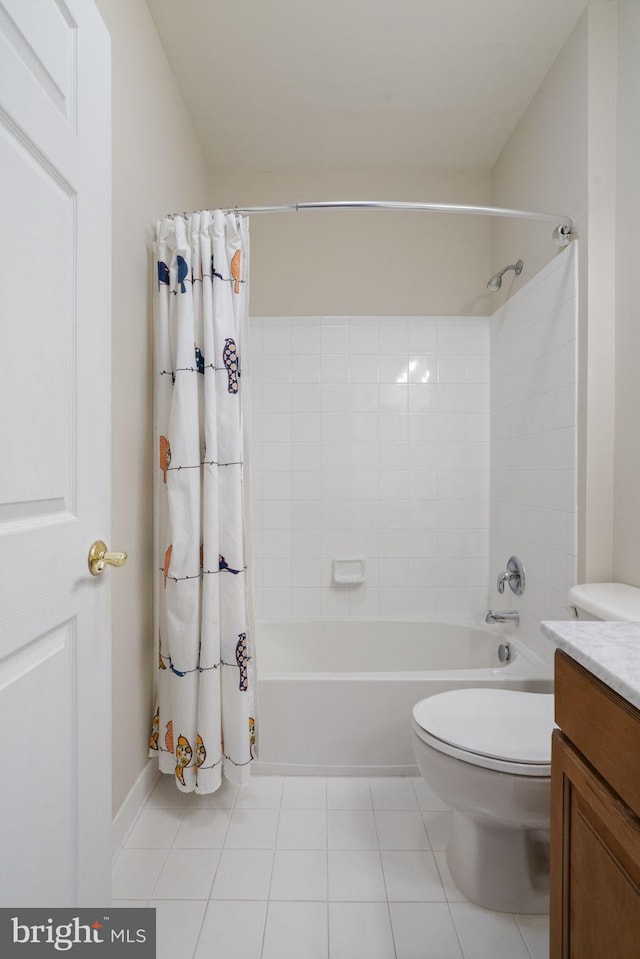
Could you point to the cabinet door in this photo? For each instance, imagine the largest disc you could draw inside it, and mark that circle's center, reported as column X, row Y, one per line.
column 595, row 864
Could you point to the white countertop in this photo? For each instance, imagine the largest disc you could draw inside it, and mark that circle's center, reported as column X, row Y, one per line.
column 611, row 651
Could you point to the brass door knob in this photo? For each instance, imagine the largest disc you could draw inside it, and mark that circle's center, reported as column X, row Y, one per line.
column 99, row 557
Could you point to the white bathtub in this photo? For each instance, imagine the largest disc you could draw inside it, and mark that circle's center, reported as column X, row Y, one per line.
column 335, row 696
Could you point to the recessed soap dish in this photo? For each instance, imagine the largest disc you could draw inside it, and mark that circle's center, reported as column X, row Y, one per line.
column 348, row 572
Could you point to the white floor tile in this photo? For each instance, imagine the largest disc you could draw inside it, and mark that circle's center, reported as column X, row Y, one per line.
column 166, row 794
column 425, row 795
column 535, row 932
column 424, row 930
column 393, row 792
column 177, row 927
column 299, row 875
column 135, row 872
column 356, row 876
column 438, row 823
column 154, row 828
column 485, row 935
column 345, row 792
column 360, row 930
column 452, row 892
column 252, row 829
column 232, row 930
column 202, row 828
column 222, row 798
column 302, row 816
column 296, row 930
column 304, row 792
column 412, row 877
column 243, row 874
column 261, row 792
column 302, row 829
column 351, row 829
column 187, row 874
column 401, row 829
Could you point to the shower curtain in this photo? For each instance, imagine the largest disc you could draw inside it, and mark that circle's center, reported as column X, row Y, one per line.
column 204, row 725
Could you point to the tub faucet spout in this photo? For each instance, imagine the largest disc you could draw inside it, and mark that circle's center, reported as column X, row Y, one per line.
column 502, row 616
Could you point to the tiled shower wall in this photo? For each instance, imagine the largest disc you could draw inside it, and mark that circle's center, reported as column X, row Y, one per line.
column 533, row 444
column 370, row 438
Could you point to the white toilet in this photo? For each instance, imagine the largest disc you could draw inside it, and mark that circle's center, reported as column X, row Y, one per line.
column 487, row 754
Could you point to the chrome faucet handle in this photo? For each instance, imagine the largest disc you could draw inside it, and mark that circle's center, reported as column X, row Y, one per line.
column 514, row 575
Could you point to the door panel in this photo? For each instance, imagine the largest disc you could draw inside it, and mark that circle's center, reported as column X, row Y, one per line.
column 43, row 34
column 55, row 252
column 35, row 791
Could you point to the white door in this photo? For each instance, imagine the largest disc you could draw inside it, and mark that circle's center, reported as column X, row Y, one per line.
column 55, row 275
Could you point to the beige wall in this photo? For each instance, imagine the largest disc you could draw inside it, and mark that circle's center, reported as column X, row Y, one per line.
column 626, row 557
column 543, row 165
column 560, row 158
column 158, row 167
column 354, row 263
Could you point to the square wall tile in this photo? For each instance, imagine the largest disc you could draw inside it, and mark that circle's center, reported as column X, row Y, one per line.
column 422, row 333
column 364, row 368
column 368, row 427
column 305, row 338
column 334, row 337
column 364, row 336
column 393, row 331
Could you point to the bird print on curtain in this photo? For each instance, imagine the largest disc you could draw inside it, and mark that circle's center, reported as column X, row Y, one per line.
column 205, row 722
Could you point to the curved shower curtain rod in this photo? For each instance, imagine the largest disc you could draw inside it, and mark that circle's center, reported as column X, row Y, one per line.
column 562, row 235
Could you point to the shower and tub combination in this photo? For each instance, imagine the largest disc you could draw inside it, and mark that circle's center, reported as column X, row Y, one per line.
column 355, row 681
column 341, row 667
column 422, row 451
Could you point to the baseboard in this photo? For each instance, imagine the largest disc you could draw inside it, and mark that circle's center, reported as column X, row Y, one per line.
column 294, row 769
column 136, row 798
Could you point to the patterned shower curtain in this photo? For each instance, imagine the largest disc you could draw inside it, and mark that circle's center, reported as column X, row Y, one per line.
column 204, row 724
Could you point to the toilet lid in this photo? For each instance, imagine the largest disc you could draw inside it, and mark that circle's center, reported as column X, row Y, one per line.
column 501, row 724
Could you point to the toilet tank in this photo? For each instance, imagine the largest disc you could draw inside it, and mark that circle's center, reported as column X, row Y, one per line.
column 606, row 601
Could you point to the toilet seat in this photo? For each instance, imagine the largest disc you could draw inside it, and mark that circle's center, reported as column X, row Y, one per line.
column 501, row 729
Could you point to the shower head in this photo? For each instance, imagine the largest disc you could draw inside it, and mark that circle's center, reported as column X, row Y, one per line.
column 496, row 280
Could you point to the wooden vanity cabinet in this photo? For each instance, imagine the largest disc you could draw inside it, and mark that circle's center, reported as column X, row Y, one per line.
column 595, row 819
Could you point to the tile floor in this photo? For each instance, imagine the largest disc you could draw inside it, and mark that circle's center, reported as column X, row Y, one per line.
column 309, row 868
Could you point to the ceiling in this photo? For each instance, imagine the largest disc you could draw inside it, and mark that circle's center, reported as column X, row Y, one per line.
column 284, row 85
